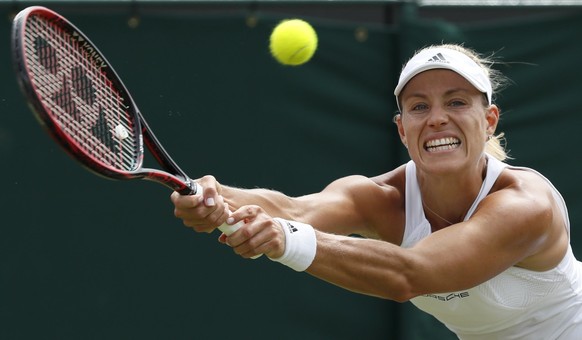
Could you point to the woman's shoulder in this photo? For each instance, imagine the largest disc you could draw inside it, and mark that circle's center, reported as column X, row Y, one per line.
column 523, row 180
column 392, row 179
column 530, row 198
column 525, row 197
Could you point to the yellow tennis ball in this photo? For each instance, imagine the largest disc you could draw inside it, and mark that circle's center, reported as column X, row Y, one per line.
column 293, row 42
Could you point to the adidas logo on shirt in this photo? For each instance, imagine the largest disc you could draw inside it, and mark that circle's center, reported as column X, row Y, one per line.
column 438, row 58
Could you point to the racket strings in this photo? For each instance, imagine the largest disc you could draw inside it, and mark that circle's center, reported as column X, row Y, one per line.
column 79, row 96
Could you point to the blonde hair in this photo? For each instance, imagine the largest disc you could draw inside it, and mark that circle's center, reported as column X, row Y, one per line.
column 495, row 145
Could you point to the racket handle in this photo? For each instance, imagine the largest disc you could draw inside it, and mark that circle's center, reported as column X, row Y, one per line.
column 227, row 229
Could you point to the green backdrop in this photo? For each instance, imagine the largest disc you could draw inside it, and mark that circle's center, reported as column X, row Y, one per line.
column 86, row 258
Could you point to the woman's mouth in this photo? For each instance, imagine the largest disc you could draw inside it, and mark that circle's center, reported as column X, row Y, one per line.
column 442, row 144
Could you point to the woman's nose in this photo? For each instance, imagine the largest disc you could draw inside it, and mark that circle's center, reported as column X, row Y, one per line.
column 437, row 117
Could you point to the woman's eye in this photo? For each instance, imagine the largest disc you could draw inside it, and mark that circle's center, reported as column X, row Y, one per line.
column 419, row 107
column 457, row 103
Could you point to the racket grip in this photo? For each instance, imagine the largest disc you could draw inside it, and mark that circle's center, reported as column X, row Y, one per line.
column 228, row 229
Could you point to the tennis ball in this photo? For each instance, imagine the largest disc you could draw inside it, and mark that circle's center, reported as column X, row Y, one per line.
column 293, row 42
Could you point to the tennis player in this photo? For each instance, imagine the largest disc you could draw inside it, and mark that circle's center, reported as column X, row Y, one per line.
column 481, row 245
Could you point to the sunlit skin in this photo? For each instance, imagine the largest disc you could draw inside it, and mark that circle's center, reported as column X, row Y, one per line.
column 516, row 224
column 456, row 111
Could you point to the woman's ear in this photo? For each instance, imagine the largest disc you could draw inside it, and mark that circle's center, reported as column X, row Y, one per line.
column 398, row 121
column 492, row 117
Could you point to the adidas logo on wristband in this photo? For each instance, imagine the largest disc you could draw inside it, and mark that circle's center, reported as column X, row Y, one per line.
column 291, row 227
column 300, row 245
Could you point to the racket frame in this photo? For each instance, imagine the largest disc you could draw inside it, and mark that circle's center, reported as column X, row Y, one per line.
column 173, row 177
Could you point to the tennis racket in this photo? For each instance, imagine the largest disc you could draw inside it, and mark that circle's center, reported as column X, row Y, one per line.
column 82, row 103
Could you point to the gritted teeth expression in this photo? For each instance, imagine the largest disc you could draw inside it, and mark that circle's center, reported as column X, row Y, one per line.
column 442, row 144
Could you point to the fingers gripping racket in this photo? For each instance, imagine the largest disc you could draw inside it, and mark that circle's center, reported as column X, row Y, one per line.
column 77, row 96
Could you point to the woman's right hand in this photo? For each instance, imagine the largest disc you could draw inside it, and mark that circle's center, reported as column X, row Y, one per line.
column 204, row 211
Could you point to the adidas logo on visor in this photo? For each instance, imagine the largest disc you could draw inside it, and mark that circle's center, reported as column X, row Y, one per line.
column 438, row 58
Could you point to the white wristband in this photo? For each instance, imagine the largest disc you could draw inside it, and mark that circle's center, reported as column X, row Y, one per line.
column 300, row 245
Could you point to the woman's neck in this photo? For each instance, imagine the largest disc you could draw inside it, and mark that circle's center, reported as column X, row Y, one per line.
column 447, row 199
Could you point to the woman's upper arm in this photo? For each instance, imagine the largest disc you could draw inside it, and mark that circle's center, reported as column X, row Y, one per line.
column 351, row 205
column 509, row 226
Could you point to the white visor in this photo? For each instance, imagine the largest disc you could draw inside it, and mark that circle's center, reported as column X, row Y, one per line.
column 445, row 58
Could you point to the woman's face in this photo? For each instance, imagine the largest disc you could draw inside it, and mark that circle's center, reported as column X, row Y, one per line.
column 445, row 120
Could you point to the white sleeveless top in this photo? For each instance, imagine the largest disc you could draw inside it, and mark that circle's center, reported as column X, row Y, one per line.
column 516, row 304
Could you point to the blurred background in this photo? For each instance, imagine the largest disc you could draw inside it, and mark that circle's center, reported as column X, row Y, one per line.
column 82, row 257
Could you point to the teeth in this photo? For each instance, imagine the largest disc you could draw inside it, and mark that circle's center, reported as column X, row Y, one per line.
column 442, row 144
